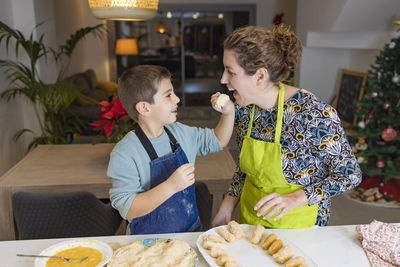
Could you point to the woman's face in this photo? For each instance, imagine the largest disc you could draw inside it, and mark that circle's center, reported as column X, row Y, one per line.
column 244, row 86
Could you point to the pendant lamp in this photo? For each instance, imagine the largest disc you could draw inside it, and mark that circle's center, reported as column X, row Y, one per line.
column 124, row 9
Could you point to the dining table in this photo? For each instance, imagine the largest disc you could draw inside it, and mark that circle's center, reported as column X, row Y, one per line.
column 330, row 246
column 83, row 167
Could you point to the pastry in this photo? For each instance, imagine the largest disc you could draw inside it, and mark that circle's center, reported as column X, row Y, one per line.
column 217, row 251
column 213, row 238
column 232, row 264
column 257, row 234
column 268, row 241
column 275, row 246
column 221, row 100
column 226, row 235
column 235, row 229
column 296, row 262
column 283, row 254
column 222, row 260
column 209, row 245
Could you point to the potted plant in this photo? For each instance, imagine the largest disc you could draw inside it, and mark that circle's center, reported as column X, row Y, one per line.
column 49, row 100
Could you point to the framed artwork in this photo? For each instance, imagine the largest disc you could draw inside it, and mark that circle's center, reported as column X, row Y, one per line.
column 349, row 92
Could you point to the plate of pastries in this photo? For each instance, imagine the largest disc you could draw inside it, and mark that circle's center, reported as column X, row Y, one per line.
column 242, row 245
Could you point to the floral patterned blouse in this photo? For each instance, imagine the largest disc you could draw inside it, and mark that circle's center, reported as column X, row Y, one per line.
column 315, row 150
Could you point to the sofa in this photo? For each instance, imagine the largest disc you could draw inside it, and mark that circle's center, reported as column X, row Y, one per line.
column 86, row 105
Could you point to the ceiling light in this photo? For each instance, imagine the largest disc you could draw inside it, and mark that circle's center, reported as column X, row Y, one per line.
column 124, row 9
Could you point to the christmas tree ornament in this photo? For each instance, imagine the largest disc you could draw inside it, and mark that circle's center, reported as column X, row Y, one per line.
column 389, row 134
column 361, row 144
column 392, row 45
column 360, row 160
column 396, row 78
column 379, row 75
column 370, row 116
column 380, row 164
column 361, row 124
column 374, row 94
column 386, row 105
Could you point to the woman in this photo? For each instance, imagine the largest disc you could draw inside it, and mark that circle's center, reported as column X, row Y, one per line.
column 294, row 155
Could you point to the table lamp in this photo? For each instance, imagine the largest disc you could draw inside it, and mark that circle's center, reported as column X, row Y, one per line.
column 127, row 52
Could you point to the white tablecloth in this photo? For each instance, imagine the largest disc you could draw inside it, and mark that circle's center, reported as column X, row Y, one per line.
column 331, row 246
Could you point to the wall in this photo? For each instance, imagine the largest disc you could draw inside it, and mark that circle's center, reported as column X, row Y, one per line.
column 15, row 114
column 341, row 34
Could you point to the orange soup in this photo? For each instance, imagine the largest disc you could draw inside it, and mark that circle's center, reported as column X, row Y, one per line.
column 94, row 257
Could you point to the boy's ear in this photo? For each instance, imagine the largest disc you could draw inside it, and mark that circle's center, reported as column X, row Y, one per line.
column 262, row 75
column 142, row 108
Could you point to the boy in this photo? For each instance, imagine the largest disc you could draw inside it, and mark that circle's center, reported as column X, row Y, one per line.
column 152, row 169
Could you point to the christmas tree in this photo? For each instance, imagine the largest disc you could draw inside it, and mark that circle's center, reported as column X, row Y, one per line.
column 377, row 145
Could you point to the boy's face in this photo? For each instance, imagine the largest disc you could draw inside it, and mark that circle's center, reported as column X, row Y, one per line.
column 165, row 106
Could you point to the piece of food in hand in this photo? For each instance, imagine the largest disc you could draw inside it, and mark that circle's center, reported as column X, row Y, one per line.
column 213, row 238
column 268, row 241
column 221, row 100
column 283, row 254
column 223, row 260
column 257, row 234
column 275, row 246
column 296, row 262
column 236, row 229
column 226, row 235
column 217, row 251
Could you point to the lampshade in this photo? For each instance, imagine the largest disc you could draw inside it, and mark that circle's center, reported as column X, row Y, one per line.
column 128, row 46
column 124, row 9
column 161, row 27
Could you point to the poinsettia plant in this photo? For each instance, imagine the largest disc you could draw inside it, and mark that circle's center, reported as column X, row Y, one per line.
column 113, row 122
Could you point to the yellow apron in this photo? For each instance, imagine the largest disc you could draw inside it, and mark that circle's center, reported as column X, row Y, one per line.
column 262, row 163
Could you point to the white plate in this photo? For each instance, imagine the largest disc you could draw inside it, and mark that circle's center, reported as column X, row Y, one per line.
column 104, row 248
column 246, row 253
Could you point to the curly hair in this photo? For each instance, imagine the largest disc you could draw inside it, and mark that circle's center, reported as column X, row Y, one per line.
column 277, row 50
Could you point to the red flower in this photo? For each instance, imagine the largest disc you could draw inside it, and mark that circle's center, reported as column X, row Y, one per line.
column 111, row 118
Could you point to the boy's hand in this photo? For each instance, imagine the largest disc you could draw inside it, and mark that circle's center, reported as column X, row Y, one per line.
column 182, row 177
column 222, row 103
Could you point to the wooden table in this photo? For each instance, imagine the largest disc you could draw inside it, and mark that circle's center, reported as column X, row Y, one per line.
column 82, row 167
column 330, row 246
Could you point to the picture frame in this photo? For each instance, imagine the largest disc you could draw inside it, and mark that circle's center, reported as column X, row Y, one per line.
column 350, row 90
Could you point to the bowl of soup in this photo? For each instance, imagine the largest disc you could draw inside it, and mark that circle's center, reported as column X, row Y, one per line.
column 98, row 254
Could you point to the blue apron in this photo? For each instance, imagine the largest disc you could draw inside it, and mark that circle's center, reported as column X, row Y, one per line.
column 177, row 214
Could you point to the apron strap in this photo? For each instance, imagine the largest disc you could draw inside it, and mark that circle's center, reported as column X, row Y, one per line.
column 146, row 143
column 278, row 130
column 279, row 118
column 149, row 147
column 172, row 141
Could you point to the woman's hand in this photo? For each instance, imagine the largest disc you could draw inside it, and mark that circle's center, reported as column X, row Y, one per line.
column 224, row 214
column 283, row 203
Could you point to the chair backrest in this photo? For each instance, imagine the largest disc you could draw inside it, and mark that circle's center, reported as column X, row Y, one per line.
column 204, row 202
column 60, row 215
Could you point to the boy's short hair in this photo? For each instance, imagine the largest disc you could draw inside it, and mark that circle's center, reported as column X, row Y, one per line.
column 140, row 83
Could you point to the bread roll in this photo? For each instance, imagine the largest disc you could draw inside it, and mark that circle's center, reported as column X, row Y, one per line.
column 268, row 241
column 226, row 235
column 283, row 254
column 296, row 262
column 257, row 234
column 236, row 229
column 213, row 238
column 275, row 246
column 222, row 260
